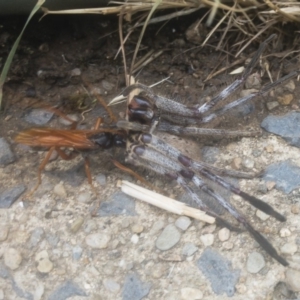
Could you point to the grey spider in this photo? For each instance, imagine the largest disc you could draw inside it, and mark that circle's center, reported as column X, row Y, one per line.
column 144, row 149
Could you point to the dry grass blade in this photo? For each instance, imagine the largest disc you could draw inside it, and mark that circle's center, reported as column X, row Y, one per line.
column 14, row 49
column 164, row 202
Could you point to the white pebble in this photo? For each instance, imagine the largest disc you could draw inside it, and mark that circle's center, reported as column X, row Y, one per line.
column 227, row 245
column 45, row 266
column 84, row 197
column 134, row 239
column 137, row 228
column 12, row 258
column 97, row 240
column 59, row 190
column 207, row 239
column 284, row 232
column 262, row 215
column 224, row 234
column 191, row 294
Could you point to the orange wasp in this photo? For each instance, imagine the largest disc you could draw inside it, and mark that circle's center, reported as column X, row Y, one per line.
column 79, row 140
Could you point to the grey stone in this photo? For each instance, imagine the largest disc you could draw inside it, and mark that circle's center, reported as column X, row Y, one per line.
column 111, row 285
column 183, row 223
column 287, row 126
column 67, row 290
column 36, row 236
column 255, row 262
column 77, row 252
column 52, row 239
column 219, row 272
column 285, row 174
column 134, row 288
column 189, row 249
column 210, row 154
column 168, row 238
column 6, row 155
column 38, row 116
column 118, row 204
column 9, row 196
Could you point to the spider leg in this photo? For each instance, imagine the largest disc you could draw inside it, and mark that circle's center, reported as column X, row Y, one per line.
column 174, row 170
column 156, row 168
column 173, row 107
column 176, row 155
column 237, row 83
column 242, row 100
column 196, row 131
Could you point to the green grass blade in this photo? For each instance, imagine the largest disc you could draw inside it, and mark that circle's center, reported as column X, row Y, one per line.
column 14, row 48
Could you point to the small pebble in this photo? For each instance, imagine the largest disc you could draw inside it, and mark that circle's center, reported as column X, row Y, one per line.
column 77, row 252
column 241, row 288
column 292, row 279
column 125, row 223
column 269, row 148
column 168, row 238
column 270, row 185
column 227, row 245
column 272, row 104
column 209, row 229
column 207, row 239
column 6, row 155
column 45, row 266
column 59, row 190
column 290, row 86
column 236, row 163
column 12, row 258
column 101, row 179
column 98, row 240
column 295, row 209
column 157, row 226
column 248, row 163
column 255, row 262
column 84, row 197
column 75, row 72
column 262, row 215
column 183, row 223
column 36, row 236
column 111, row 285
column 285, row 99
column 191, row 294
column 137, row 228
column 134, row 239
column 253, row 81
column 76, row 225
column 289, row 248
column 67, row 290
column 189, row 249
column 134, row 288
column 38, row 116
column 284, row 232
column 44, row 263
column 224, row 234
column 10, row 195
